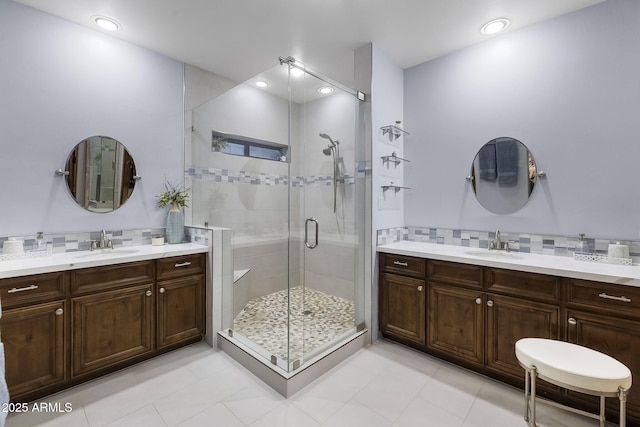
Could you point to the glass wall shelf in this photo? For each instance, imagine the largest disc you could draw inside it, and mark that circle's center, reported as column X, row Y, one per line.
column 393, row 159
column 393, row 131
column 395, row 188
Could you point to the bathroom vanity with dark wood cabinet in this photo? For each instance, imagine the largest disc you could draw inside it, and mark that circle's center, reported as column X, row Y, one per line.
column 472, row 315
column 63, row 328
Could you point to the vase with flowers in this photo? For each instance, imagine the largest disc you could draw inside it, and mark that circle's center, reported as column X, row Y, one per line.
column 175, row 196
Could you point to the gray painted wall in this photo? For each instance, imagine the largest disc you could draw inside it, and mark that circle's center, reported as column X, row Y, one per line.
column 568, row 89
column 61, row 83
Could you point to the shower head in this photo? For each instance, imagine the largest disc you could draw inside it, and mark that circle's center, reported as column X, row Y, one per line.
column 327, row 151
column 325, row 136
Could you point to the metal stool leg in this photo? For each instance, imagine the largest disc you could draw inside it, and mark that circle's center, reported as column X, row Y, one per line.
column 534, row 374
column 622, row 395
column 526, row 395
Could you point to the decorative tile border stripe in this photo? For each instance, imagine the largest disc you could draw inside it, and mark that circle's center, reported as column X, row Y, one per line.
column 261, row 178
column 520, row 242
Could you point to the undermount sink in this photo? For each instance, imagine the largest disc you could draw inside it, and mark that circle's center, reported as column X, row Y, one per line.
column 103, row 253
column 495, row 254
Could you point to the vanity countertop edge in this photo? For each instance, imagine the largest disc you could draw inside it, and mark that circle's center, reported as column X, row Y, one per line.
column 532, row 263
column 74, row 260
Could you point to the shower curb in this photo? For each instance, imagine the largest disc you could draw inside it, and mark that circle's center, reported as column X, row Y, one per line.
column 289, row 383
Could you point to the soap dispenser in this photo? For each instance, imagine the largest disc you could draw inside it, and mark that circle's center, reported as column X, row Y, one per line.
column 582, row 246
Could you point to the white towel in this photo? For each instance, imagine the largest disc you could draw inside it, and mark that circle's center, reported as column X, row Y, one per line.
column 4, row 391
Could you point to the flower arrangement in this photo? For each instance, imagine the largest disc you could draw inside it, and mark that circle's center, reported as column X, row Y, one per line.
column 173, row 194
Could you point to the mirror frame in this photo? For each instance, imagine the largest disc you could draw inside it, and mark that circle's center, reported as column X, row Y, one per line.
column 89, row 162
column 503, row 175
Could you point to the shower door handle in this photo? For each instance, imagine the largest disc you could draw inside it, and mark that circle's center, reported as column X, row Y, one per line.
column 306, row 233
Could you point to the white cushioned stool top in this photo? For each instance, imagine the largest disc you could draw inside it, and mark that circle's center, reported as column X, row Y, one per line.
column 573, row 365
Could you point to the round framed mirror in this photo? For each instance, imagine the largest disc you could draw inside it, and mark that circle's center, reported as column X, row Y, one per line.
column 101, row 174
column 503, row 175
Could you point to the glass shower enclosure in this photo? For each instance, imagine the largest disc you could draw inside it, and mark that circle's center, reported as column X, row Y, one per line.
column 279, row 160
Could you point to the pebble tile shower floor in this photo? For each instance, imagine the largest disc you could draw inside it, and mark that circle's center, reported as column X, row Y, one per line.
column 316, row 319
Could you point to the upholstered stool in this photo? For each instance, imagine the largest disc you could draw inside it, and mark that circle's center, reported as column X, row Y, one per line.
column 573, row 367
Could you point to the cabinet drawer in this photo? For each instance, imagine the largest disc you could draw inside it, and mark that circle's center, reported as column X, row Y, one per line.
column 456, row 273
column 524, row 285
column 111, row 276
column 179, row 266
column 35, row 288
column 615, row 298
column 406, row 265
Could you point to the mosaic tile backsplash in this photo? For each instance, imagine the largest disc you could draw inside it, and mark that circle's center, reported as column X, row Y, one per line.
column 72, row 242
column 520, row 242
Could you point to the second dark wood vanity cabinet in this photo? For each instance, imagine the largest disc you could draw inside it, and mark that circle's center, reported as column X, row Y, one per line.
column 474, row 315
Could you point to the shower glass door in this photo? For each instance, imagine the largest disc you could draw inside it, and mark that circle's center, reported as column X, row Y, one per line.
column 266, row 158
column 323, row 241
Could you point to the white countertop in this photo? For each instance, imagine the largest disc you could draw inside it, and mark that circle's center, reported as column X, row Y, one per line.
column 84, row 259
column 533, row 263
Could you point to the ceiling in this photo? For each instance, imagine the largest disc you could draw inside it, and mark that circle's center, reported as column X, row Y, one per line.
column 238, row 39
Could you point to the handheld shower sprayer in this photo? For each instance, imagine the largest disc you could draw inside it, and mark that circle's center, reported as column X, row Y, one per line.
column 333, row 143
column 333, row 149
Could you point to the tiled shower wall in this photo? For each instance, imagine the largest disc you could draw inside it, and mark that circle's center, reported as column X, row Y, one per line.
column 522, row 242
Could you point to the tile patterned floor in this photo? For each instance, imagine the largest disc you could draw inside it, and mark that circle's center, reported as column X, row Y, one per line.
column 316, row 319
column 383, row 385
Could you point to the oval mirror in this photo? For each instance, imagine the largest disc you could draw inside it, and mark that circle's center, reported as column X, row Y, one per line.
column 101, row 174
column 503, row 175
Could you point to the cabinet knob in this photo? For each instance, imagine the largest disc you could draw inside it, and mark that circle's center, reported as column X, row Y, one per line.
column 490, row 303
column 420, row 288
column 148, row 293
column 572, row 321
column 162, row 290
column 59, row 311
column 478, row 300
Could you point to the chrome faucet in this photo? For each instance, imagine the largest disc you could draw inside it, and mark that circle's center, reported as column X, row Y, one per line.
column 103, row 242
column 498, row 245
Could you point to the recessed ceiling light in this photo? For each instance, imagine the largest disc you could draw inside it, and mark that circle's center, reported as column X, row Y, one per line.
column 495, row 26
column 262, row 83
column 106, row 23
column 325, row 90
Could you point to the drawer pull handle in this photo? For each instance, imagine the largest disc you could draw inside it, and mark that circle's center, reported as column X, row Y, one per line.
column 182, row 264
column 400, row 263
column 622, row 298
column 162, row 290
column 572, row 321
column 148, row 293
column 26, row 288
column 490, row 303
column 59, row 311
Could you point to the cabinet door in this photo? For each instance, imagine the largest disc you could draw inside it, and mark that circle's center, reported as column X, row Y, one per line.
column 111, row 327
column 618, row 338
column 34, row 348
column 456, row 325
column 402, row 309
column 510, row 319
column 180, row 312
